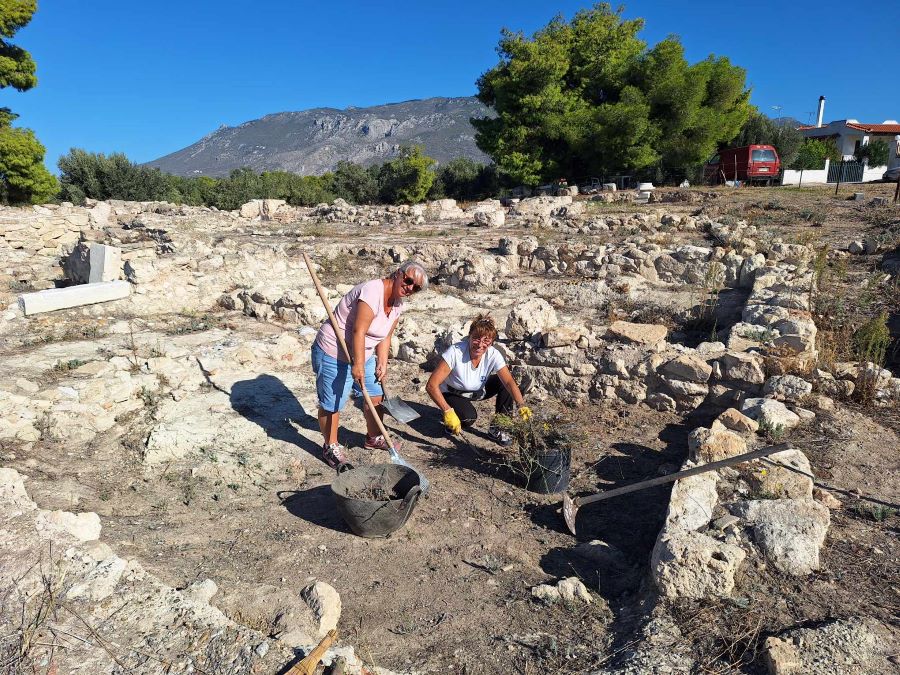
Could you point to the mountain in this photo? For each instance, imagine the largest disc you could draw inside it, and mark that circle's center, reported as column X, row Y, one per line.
column 314, row 141
column 787, row 122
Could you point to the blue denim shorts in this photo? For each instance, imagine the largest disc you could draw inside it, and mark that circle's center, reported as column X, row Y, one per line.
column 333, row 380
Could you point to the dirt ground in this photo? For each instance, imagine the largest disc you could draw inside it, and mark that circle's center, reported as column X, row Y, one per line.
column 450, row 592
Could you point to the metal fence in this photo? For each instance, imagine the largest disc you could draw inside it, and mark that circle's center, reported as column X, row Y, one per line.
column 845, row 172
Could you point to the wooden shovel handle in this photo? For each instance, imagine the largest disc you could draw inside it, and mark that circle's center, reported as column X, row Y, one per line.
column 308, row 665
column 343, row 344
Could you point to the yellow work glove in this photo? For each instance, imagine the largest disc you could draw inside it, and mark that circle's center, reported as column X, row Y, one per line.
column 525, row 413
column 451, row 421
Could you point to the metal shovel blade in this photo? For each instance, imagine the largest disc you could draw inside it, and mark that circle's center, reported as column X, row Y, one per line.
column 397, row 408
column 396, row 458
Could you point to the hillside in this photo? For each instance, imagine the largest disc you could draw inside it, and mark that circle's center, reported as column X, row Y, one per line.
column 314, row 141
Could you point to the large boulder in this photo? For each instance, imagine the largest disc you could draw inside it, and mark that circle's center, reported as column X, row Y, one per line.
column 539, row 206
column 692, row 501
column 789, row 531
column 489, row 213
column 531, row 317
column 743, row 368
column 786, row 474
column 687, row 367
column 787, row 387
column 688, row 564
column 771, row 414
column 646, row 334
column 737, row 421
column 443, row 209
column 710, row 445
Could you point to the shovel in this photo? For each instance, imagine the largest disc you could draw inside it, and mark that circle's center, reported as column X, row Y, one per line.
column 397, row 407
column 396, row 458
column 571, row 506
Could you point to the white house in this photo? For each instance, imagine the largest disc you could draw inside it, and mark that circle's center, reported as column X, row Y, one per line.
column 848, row 135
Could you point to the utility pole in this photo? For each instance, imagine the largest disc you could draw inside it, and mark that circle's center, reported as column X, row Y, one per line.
column 840, row 176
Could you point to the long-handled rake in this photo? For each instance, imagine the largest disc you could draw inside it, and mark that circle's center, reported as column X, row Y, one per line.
column 396, row 457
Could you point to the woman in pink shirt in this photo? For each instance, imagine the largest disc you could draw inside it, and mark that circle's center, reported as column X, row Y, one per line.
column 367, row 316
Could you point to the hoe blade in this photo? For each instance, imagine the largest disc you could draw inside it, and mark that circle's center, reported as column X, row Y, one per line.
column 570, row 510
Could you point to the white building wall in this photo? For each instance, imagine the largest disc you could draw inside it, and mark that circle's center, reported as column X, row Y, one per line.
column 810, row 176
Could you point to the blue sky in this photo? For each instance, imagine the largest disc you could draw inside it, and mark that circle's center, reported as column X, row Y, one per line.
column 149, row 78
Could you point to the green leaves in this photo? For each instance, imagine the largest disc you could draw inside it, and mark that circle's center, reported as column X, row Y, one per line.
column 407, row 179
column 877, row 152
column 813, row 153
column 23, row 177
column 588, row 98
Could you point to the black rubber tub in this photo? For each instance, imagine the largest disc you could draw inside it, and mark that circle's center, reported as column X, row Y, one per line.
column 376, row 500
column 550, row 472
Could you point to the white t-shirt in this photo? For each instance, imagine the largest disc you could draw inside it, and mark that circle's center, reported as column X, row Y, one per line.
column 463, row 375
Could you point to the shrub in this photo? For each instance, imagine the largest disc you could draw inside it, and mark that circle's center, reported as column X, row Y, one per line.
column 535, row 437
column 876, row 152
column 464, row 179
column 354, row 183
column 407, row 179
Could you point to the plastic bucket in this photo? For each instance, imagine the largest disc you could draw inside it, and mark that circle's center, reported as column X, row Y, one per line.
column 376, row 500
column 550, row 472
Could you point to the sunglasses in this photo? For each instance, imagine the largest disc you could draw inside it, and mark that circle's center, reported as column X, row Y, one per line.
column 411, row 283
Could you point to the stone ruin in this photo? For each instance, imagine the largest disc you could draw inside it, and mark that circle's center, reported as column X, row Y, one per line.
column 761, row 371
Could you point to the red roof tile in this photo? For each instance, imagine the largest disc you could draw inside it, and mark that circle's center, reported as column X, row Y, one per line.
column 876, row 128
column 859, row 126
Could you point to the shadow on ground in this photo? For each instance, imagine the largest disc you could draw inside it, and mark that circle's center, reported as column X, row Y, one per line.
column 266, row 401
column 473, row 450
column 629, row 523
column 315, row 506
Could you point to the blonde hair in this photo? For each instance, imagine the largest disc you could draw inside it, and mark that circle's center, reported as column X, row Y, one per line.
column 483, row 326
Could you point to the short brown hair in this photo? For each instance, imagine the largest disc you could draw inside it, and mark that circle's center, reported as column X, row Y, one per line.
column 483, row 326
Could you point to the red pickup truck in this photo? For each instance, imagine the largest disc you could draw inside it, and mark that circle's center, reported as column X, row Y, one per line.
column 750, row 163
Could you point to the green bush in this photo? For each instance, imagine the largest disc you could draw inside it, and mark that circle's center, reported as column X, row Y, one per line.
column 355, row 184
column 98, row 176
column 877, row 152
column 407, row 179
column 464, row 179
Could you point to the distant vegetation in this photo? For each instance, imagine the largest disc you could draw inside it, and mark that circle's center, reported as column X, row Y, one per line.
column 23, row 177
column 408, row 179
column 587, row 97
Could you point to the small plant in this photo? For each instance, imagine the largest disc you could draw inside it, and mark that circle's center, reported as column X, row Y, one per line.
column 703, row 316
column 871, row 341
column 877, row 512
column 820, row 267
column 65, row 366
column 762, row 335
column 150, row 399
column 772, row 432
column 20, row 286
column 194, row 323
column 535, row 438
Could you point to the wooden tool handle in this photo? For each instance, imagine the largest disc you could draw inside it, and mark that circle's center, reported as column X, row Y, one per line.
column 672, row 477
column 343, row 344
column 308, row 665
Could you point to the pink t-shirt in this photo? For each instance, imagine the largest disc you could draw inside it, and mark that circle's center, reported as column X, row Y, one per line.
column 371, row 293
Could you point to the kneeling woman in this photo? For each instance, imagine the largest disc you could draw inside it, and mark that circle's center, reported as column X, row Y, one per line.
column 472, row 370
